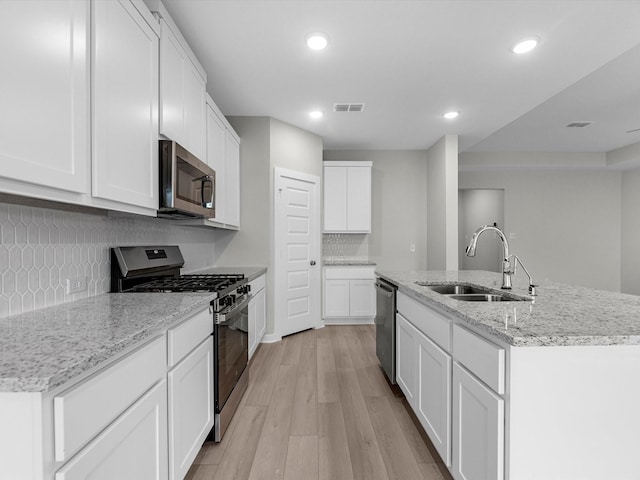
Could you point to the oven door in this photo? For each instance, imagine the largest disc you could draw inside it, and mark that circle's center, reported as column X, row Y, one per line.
column 231, row 351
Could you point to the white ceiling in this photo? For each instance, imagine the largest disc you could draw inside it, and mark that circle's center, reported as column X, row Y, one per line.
column 411, row 61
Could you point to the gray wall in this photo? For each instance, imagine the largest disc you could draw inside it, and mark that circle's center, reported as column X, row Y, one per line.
column 630, row 250
column 566, row 222
column 265, row 143
column 398, row 216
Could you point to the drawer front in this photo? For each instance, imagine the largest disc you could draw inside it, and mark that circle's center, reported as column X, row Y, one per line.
column 349, row 273
column 483, row 358
column 258, row 284
column 429, row 322
column 81, row 412
column 188, row 335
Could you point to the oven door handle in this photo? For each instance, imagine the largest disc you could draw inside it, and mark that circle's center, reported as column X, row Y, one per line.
column 222, row 318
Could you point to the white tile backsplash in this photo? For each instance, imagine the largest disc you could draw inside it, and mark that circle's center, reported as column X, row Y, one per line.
column 348, row 246
column 40, row 248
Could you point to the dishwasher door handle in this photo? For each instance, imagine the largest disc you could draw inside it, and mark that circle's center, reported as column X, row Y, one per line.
column 388, row 292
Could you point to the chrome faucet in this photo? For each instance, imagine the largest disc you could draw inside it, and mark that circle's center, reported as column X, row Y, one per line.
column 508, row 268
column 506, row 262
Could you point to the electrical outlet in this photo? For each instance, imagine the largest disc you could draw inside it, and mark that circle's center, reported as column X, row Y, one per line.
column 75, row 285
column 412, row 247
column 512, row 236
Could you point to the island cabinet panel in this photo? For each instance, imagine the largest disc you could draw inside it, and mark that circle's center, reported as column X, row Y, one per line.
column 478, row 429
column 44, row 125
column 134, row 446
column 483, row 358
column 83, row 411
column 577, row 408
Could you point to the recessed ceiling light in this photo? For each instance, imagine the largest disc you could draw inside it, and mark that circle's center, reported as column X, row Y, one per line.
column 317, row 41
column 315, row 114
column 525, row 45
column 451, row 115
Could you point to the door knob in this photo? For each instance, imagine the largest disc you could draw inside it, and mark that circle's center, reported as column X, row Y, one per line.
column 312, row 263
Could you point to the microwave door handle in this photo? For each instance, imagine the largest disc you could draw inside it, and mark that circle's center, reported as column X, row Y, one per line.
column 203, row 179
column 207, row 180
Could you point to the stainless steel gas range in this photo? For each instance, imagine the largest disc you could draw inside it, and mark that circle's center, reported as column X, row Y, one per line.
column 157, row 269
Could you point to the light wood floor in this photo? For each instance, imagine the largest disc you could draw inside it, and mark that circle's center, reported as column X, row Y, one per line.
column 318, row 407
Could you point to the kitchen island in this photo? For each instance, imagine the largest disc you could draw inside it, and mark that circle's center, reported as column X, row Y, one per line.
column 536, row 389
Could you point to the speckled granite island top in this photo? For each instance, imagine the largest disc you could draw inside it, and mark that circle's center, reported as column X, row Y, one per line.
column 560, row 315
column 43, row 349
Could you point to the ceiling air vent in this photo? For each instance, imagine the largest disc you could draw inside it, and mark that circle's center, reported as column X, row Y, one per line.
column 578, row 124
column 348, row 107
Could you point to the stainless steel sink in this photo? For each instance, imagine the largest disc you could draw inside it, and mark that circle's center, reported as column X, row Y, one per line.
column 455, row 289
column 469, row 293
column 483, row 297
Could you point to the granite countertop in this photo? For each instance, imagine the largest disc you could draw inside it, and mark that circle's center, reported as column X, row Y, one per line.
column 346, row 262
column 43, row 349
column 560, row 315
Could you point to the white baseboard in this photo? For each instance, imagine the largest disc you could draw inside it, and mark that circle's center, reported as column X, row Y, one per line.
column 349, row 321
column 271, row 338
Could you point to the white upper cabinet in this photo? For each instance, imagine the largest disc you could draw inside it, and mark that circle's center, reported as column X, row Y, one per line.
column 347, row 197
column 223, row 155
column 125, row 104
column 182, row 91
column 232, row 158
column 44, row 94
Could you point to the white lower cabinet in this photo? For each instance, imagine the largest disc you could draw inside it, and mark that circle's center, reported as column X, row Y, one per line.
column 190, row 386
column 433, row 405
column 134, row 446
column 406, row 358
column 348, row 294
column 257, row 313
column 423, row 372
column 478, row 429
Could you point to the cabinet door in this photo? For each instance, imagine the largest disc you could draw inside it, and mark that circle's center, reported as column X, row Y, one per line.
column 434, row 395
column 362, row 298
column 125, row 105
column 253, row 327
column 195, row 113
column 478, row 429
column 216, row 137
column 336, row 298
column 232, row 153
column 173, row 64
column 406, row 358
column 44, row 93
column 190, row 407
column 335, row 199
column 359, row 199
column 133, row 446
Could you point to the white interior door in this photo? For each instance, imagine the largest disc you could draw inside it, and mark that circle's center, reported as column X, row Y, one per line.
column 297, row 251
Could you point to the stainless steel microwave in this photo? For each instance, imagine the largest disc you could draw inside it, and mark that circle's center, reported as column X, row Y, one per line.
column 187, row 184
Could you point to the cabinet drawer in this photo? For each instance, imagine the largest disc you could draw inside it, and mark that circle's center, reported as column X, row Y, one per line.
column 483, row 358
column 258, row 284
column 188, row 335
column 429, row 322
column 84, row 410
column 350, row 273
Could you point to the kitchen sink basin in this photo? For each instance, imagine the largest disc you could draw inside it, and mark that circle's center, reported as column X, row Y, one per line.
column 455, row 289
column 469, row 293
column 483, row 297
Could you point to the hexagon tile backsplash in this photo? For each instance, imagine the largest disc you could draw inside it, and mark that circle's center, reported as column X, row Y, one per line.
column 42, row 248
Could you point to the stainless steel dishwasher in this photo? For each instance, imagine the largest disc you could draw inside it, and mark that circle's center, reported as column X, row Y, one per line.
column 386, row 327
